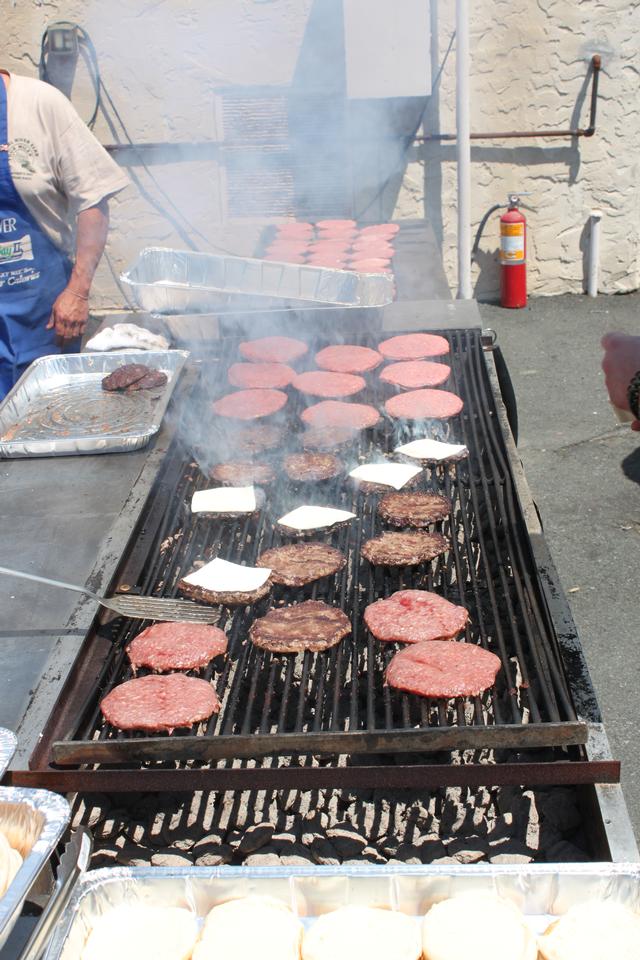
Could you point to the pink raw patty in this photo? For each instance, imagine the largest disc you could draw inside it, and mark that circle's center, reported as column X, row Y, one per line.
column 414, row 346
column 336, row 413
column 411, row 616
column 250, row 404
column 424, row 405
column 443, row 669
column 160, row 702
column 348, row 358
column 321, row 383
column 176, row 646
column 413, row 374
column 254, row 376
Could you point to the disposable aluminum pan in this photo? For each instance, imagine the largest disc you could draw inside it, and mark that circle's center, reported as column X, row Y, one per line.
column 8, row 744
column 165, row 281
column 541, row 891
column 41, row 811
column 58, row 405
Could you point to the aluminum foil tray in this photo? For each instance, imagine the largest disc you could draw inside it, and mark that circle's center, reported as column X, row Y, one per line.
column 53, row 813
column 165, row 281
column 542, row 891
column 8, row 744
column 58, row 405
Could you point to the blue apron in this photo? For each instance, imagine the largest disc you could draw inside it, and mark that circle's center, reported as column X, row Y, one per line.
column 33, row 272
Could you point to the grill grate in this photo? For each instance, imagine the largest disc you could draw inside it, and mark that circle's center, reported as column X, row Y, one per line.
column 336, row 702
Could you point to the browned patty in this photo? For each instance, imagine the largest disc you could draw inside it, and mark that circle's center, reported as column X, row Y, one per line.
column 413, row 509
column 124, row 376
column 310, row 467
column 327, row 438
column 299, row 563
column 242, row 473
column 406, row 549
column 152, row 379
column 312, row 625
column 255, row 438
column 225, row 599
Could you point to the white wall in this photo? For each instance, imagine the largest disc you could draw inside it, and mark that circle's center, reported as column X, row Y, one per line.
column 164, row 61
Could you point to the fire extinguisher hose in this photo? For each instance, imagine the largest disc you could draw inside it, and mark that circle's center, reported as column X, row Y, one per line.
column 481, row 226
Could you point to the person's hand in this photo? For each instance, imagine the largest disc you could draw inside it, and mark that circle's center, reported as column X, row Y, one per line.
column 620, row 363
column 69, row 316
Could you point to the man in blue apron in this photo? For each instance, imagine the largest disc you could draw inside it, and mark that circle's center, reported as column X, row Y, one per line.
column 55, row 181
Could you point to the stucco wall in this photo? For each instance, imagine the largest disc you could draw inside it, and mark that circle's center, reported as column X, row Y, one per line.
column 163, row 62
column 529, row 61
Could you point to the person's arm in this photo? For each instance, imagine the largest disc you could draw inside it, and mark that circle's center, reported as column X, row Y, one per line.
column 621, row 362
column 70, row 310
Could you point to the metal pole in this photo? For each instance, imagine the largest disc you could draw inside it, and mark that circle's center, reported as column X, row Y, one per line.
column 594, row 253
column 463, row 150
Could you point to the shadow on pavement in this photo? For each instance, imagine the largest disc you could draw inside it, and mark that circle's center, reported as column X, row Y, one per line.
column 631, row 466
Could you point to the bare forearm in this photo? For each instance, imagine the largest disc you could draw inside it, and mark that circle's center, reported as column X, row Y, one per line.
column 91, row 237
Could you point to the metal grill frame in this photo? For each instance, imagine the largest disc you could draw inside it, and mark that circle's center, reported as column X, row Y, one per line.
column 79, row 694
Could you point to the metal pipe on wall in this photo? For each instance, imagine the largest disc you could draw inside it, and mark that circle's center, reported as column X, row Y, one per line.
column 594, row 253
column 463, row 150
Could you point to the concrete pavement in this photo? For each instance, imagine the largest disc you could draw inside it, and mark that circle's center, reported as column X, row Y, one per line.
column 583, row 469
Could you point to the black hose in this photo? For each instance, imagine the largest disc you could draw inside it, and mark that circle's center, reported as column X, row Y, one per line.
column 481, row 226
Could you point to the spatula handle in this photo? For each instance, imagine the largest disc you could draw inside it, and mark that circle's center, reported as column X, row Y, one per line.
column 48, row 582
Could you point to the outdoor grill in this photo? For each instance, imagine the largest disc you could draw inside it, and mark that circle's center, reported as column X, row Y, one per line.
column 333, row 708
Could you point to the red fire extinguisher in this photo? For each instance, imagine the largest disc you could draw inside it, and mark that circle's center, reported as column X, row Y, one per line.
column 513, row 255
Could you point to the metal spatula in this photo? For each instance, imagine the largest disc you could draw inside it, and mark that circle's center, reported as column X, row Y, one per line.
column 141, row 608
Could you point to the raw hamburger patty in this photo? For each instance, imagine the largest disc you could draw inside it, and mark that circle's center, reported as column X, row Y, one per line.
column 336, row 224
column 157, row 702
column 257, row 375
column 301, row 563
column 151, row 379
column 371, row 265
column 176, row 646
column 250, row 404
column 256, row 438
column 413, row 374
column 443, row 669
column 242, row 473
column 124, row 376
column 424, row 404
column 309, row 467
column 272, row 350
column 413, row 509
column 321, row 383
column 312, row 625
column 347, row 358
column 239, row 599
column 296, row 229
column 336, row 413
column 327, row 438
column 406, row 549
column 414, row 346
column 411, row 616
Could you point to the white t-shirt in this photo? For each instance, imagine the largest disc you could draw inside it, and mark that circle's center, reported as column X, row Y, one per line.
column 57, row 165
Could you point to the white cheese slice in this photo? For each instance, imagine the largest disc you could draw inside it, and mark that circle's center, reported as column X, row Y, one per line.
column 428, row 449
column 224, row 500
column 390, row 474
column 312, row 518
column 224, row 577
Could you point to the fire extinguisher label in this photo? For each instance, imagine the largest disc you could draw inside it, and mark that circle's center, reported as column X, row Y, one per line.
column 512, row 242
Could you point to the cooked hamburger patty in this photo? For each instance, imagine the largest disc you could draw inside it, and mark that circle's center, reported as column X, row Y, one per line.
column 159, row 702
column 124, row 376
column 312, row 625
column 322, row 383
column 337, row 413
column 300, row 563
column 328, row 438
column 226, row 599
column 414, row 346
column 176, row 646
column 414, row 374
column 252, row 376
column 443, row 669
column 250, row 404
column 413, row 509
column 348, row 358
column 411, row 616
column 256, row 438
column 310, row 467
column 150, row 381
column 424, row 404
column 242, row 473
column 272, row 350
column 406, row 549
